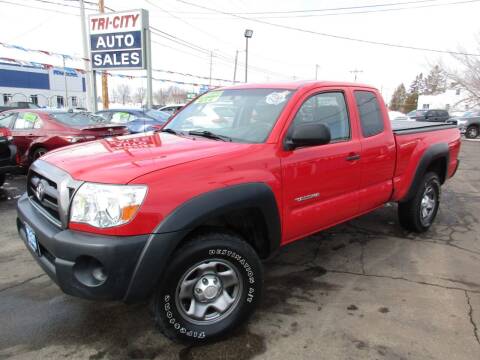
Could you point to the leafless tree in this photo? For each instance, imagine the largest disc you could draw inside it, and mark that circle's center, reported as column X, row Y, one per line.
column 123, row 92
column 467, row 75
column 140, row 95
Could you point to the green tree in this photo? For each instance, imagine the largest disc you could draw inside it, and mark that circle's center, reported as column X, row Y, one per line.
column 398, row 98
column 411, row 102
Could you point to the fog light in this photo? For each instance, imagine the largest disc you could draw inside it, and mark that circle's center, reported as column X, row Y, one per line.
column 99, row 274
column 89, row 271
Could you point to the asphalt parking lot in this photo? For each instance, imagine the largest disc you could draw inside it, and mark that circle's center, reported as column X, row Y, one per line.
column 362, row 290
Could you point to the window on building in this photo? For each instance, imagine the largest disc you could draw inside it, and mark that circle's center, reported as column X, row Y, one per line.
column 457, row 92
column 370, row 115
column 426, row 106
column 74, row 101
column 60, row 102
column 34, row 99
column 6, row 98
column 328, row 109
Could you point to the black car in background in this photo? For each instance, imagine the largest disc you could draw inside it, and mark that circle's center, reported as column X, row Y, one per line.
column 8, row 154
column 429, row 115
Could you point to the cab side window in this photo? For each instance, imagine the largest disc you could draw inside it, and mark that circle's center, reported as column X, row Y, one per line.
column 371, row 118
column 329, row 109
column 121, row 117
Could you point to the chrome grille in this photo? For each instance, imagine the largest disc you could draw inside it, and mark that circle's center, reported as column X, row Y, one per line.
column 50, row 191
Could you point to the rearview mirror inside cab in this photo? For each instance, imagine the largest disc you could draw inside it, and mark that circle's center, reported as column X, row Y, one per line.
column 308, row 135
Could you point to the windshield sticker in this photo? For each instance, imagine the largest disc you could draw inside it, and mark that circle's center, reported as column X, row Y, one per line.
column 29, row 117
column 276, row 98
column 209, row 97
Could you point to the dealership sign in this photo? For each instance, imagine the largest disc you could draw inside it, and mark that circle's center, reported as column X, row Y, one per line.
column 117, row 40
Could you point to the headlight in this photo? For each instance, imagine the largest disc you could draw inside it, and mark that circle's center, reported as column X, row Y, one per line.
column 106, row 206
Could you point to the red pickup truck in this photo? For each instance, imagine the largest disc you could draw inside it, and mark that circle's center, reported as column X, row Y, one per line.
column 185, row 215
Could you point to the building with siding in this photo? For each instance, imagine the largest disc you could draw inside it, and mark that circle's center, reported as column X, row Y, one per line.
column 44, row 87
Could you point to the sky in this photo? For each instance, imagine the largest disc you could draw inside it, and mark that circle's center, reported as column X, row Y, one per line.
column 275, row 54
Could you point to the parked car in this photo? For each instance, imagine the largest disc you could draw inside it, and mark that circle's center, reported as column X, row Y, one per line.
column 429, row 115
column 36, row 132
column 186, row 215
column 469, row 124
column 19, row 105
column 137, row 121
column 397, row 115
column 172, row 109
column 8, row 154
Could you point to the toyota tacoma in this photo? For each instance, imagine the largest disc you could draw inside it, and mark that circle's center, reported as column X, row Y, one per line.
column 185, row 216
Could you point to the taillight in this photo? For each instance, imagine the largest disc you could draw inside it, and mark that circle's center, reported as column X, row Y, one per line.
column 5, row 132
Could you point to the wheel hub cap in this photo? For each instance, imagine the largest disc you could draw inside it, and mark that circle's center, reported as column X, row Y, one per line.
column 207, row 288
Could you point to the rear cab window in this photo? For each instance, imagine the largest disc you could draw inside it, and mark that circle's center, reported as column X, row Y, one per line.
column 6, row 119
column 27, row 121
column 369, row 112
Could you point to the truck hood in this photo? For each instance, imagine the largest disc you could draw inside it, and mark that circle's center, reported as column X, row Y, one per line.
column 119, row 160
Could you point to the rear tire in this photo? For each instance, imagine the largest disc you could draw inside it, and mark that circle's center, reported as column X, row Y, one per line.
column 472, row 132
column 418, row 213
column 2, row 179
column 212, row 285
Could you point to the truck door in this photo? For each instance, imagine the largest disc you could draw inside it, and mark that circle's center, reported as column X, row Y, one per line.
column 321, row 182
column 24, row 132
column 378, row 150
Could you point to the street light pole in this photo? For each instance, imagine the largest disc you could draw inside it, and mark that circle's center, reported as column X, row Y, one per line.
column 248, row 34
column 316, row 71
column 89, row 77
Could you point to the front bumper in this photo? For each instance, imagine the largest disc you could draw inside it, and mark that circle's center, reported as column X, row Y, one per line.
column 70, row 257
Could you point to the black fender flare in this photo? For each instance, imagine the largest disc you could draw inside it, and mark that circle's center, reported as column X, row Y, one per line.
column 434, row 152
column 191, row 214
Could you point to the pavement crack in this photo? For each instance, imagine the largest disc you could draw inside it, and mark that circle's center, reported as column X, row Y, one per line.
column 21, row 283
column 470, row 315
column 402, row 279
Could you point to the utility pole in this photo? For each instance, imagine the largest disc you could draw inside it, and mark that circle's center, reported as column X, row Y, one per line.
column 65, row 103
column 356, row 72
column 89, row 76
column 211, row 65
column 235, row 68
column 105, row 100
column 316, row 71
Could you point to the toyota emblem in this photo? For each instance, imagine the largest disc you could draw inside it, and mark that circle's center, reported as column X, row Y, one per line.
column 40, row 191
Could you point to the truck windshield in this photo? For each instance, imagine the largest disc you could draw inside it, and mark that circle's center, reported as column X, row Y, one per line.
column 243, row 115
column 77, row 119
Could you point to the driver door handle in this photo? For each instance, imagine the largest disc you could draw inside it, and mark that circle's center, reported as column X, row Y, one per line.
column 353, row 157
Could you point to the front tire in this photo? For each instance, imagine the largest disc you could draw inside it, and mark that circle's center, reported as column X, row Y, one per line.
column 39, row 152
column 471, row 132
column 418, row 214
column 212, row 286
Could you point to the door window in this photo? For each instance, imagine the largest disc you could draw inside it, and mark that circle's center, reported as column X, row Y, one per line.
column 329, row 109
column 26, row 121
column 6, row 119
column 371, row 118
column 121, row 117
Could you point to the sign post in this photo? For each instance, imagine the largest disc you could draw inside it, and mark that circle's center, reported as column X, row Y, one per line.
column 121, row 41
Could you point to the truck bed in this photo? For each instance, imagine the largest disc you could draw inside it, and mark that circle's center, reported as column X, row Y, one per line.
column 409, row 127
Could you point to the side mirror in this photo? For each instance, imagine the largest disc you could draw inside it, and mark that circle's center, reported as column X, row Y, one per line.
column 308, row 135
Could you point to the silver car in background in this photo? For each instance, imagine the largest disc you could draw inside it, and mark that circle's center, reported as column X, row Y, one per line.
column 469, row 124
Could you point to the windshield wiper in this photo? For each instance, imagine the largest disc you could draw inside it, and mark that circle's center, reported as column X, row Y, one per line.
column 209, row 135
column 170, row 131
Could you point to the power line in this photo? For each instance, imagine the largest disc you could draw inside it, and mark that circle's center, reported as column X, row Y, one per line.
column 365, row 11
column 340, row 37
column 59, row 4
column 38, row 8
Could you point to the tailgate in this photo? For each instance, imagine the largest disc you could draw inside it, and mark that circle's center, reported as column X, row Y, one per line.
column 104, row 130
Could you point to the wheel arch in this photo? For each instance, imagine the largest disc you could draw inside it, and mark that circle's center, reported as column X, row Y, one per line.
column 436, row 158
column 195, row 214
